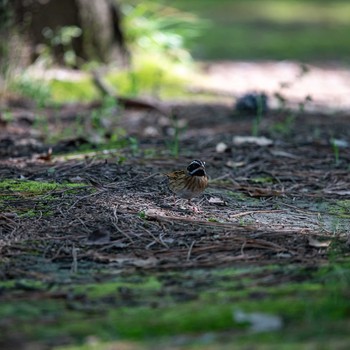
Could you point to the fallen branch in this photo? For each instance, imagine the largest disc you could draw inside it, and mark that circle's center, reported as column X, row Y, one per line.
column 238, row 215
column 127, row 102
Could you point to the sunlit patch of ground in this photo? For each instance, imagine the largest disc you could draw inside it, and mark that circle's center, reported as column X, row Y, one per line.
column 327, row 85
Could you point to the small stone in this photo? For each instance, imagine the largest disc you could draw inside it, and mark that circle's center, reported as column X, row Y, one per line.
column 221, row 147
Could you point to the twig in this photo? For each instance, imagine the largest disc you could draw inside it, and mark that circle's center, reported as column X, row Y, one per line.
column 84, row 197
column 74, row 268
column 108, row 90
column 155, row 238
column 242, row 247
column 190, row 251
column 116, row 226
column 310, row 212
column 256, row 212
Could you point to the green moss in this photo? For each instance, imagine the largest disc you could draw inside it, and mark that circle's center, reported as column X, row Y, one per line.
column 213, row 220
column 36, row 89
column 186, row 318
column 94, row 291
column 151, row 74
column 237, row 195
column 24, row 284
column 6, row 284
column 69, row 91
column 261, row 179
column 154, row 75
column 32, row 188
column 29, row 187
column 34, row 196
column 341, row 209
column 146, row 306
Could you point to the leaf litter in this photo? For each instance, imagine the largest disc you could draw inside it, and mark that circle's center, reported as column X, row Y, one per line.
column 267, row 203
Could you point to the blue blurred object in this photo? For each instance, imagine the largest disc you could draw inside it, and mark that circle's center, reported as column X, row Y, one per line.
column 252, row 102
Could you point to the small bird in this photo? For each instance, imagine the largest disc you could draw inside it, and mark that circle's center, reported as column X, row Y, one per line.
column 189, row 183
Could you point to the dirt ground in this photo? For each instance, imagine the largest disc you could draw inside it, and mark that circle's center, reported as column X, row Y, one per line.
column 326, row 83
column 286, row 202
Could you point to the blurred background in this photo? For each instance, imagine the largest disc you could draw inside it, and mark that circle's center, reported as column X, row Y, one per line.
column 305, row 30
column 178, row 49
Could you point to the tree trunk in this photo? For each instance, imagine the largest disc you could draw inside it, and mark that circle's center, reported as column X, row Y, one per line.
column 101, row 39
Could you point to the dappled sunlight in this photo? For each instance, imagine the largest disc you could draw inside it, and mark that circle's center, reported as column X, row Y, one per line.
column 327, row 86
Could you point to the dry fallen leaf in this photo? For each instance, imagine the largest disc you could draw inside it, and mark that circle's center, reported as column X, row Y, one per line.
column 47, row 157
column 278, row 153
column 260, row 141
column 217, row 201
column 149, row 262
column 152, row 213
column 338, row 192
column 232, row 164
column 317, row 244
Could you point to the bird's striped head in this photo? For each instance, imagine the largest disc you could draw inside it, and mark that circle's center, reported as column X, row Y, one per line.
column 196, row 168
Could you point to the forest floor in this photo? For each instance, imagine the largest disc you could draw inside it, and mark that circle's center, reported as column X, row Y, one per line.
column 94, row 250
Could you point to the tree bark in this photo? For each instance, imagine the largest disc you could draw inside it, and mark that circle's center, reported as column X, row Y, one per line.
column 101, row 40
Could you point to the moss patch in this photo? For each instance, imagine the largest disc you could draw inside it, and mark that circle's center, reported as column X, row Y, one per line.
column 69, row 91
column 130, row 307
column 29, row 199
column 341, row 209
column 27, row 188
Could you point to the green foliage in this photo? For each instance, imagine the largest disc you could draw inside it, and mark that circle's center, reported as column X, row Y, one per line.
column 157, row 36
column 335, row 148
column 262, row 179
column 134, row 146
column 341, row 209
column 71, row 91
column 37, row 90
column 104, row 130
column 285, row 126
column 213, row 220
column 259, row 115
column 61, row 38
column 174, row 142
column 271, row 29
column 107, row 110
column 142, row 215
column 153, row 74
column 153, row 27
column 7, row 116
